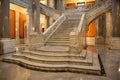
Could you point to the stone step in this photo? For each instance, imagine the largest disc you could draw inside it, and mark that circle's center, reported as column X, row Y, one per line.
column 58, row 41
column 58, row 55
column 53, row 49
column 94, row 69
column 57, row 44
column 60, row 36
column 63, row 31
column 53, row 37
column 87, row 61
column 65, row 28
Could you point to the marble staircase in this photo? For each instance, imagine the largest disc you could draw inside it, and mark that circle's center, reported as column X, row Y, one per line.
column 61, row 36
column 56, row 55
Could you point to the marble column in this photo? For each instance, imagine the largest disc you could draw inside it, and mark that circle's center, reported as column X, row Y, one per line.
column 17, row 14
column 6, row 44
column 99, row 31
column 4, row 19
column 116, row 24
column 51, row 3
column 36, row 15
column 108, row 28
column 116, row 17
column 59, row 5
column 97, row 27
column 47, row 21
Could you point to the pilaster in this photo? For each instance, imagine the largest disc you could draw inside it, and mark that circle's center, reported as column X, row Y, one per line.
column 36, row 15
column 108, row 28
column 17, row 14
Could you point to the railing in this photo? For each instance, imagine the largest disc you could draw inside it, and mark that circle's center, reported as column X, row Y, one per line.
column 50, row 11
column 80, row 8
column 78, row 37
column 47, row 34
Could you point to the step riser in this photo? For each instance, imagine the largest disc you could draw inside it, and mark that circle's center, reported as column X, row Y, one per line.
column 55, row 57
column 59, row 38
column 60, row 42
column 53, row 62
column 54, row 44
column 66, row 36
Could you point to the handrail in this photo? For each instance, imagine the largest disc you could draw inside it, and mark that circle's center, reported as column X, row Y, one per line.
column 50, row 11
column 47, row 34
column 81, row 22
column 78, row 36
column 80, row 8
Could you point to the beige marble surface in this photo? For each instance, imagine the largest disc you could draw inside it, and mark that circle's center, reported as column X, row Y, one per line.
column 7, row 46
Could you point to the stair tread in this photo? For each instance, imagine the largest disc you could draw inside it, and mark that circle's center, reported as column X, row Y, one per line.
column 58, row 54
column 57, row 41
column 87, row 60
column 54, row 48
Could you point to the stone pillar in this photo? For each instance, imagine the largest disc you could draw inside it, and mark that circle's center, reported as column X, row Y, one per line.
column 99, row 31
column 116, row 24
column 59, row 5
column 4, row 19
column 108, row 28
column 116, row 17
column 47, row 21
column 97, row 27
column 6, row 44
column 17, row 14
column 51, row 3
column 36, row 15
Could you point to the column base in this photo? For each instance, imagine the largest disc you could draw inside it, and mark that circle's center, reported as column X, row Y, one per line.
column 115, row 43
column 36, row 41
column 100, row 40
column 90, row 41
column 7, row 45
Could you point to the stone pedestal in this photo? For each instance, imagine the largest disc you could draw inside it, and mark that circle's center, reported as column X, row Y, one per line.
column 115, row 43
column 74, row 43
column 7, row 46
column 99, row 40
column 90, row 41
column 36, row 41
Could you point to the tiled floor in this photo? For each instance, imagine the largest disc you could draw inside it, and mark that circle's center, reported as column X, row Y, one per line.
column 110, row 59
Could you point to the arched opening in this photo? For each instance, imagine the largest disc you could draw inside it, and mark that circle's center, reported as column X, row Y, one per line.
column 91, row 33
